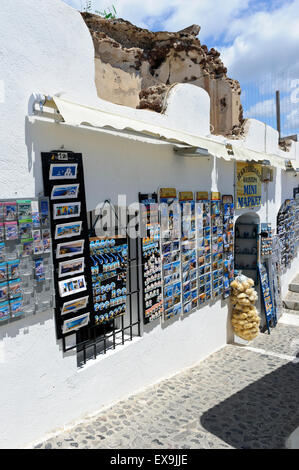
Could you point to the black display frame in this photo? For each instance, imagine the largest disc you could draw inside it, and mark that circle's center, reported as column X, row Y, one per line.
column 69, row 157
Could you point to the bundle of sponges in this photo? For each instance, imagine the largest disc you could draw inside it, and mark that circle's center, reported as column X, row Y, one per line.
column 245, row 318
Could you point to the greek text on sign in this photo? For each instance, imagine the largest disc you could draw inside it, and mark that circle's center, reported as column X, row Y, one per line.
column 249, row 186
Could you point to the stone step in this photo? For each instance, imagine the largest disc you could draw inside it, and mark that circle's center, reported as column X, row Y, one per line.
column 291, row 301
column 294, row 286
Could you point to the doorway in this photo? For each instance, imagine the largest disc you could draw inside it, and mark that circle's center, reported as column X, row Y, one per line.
column 247, row 245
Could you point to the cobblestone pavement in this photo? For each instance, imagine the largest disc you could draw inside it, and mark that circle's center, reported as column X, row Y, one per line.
column 236, row 398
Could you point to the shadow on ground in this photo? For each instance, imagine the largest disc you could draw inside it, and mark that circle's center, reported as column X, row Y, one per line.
column 262, row 415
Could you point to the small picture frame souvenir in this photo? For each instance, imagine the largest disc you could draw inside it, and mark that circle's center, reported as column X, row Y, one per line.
column 4, row 311
column 11, row 230
column 63, row 171
column 72, row 286
column 3, row 291
column 3, row 272
column 16, row 307
column 69, row 230
column 66, row 211
column 10, row 211
column 65, row 191
column 76, row 323
column 71, row 267
column 74, row 305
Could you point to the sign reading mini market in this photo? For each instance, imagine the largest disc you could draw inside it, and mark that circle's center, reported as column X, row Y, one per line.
column 249, row 186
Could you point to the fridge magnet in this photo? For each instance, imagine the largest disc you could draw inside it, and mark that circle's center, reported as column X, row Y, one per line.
column 16, row 307
column 13, row 269
column 4, row 311
column 74, row 305
column 3, row 272
column 24, row 209
column 25, row 228
column 61, row 171
column 10, row 211
column 66, row 211
column 15, row 288
column 3, row 291
column 75, row 323
column 39, row 270
column 74, row 266
column 72, row 286
column 69, row 230
column 11, row 230
column 66, row 191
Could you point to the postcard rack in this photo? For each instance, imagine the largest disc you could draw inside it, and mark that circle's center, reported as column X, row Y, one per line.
column 26, row 267
column 64, row 185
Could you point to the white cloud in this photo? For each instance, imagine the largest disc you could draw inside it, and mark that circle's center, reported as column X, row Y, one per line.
column 261, row 109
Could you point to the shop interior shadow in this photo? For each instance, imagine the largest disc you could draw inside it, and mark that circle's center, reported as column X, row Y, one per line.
column 262, row 415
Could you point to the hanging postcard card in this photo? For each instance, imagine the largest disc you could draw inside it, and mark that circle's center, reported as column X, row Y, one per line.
column 63, row 171
column 74, row 305
column 69, row 230
column 13, row 268
column 2, row 252
column 27, row 247
column 75, row 323
column 71, row 267
column 70, row 249
column 72, row 286
column 16, row 307
column 15, row 288
column 1, row 231
column 11, row 231
column 65, row 191
column 4, row 311
column 10, row 211
column 24, row 209
column 3, row 291
column 3, row 272
column 39, row 270
column 66, row 211
column 25, row 228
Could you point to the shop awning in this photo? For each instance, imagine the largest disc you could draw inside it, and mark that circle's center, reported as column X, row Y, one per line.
column 76, row 114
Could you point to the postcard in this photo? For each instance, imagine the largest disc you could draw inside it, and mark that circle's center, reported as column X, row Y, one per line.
column 74, row 305
column 27, row 247
column 1, row 232
column 39, row 270
column 15, row 288
column 25, row 228
column 11, row 230
column 63, row 171
column 4, row 311
column 65, row 191
column 38, row 247
column 70, row 249
column 24, row 209
column 72, row 286
column 10, row 211
column 13, row 268
column 3, row 291
column 46, row 240
column 74, row 266
column 1, row 210
column 66, row 211
column 72, row 229
column 2, row 252
column 3, row 272
column 177, row 309
column 75, row 323
column 16, row 307
column 187, row 308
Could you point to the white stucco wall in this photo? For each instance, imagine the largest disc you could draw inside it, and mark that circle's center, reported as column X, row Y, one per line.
column 47, row 48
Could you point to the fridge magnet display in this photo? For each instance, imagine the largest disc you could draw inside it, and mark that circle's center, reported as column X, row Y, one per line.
column 66, row 191
column 10, row 211
column 16, row 307
column 75, row 323
column 24, row 209
column 11, row 230
column 25, row 228
column 74, row 305
column 66, row 211
column 27, row 247
column 3, row 272
column 70, row 249
column 69, row 230
column 74, row 266
column 39, row 270
column 63, row 171
column 72, row 286
column 3, row 291
column 15, row 288
column 13, row 268
column 4, row 311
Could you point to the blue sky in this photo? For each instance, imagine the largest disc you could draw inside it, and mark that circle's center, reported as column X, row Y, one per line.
column 258, row 41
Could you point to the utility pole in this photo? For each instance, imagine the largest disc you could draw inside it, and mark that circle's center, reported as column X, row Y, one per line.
column 278, row 121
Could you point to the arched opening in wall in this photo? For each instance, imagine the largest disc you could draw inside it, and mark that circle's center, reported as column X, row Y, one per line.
column 247, row 245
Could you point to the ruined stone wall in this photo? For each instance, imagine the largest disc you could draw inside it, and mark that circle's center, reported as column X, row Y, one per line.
column 135, row 67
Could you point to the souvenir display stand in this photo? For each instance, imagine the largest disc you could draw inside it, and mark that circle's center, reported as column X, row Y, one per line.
column 270, row 313
column 189, row 274
column 151, row 257
column 217, row 245
column 286, row 232
column 203, row 236
column 64, row 184
column 26, row 267
column 228, row 243
column 171, row 252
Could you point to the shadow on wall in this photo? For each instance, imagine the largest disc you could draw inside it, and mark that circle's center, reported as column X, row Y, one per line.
column 262, row 415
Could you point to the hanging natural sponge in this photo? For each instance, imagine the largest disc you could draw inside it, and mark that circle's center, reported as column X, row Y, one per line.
column 245, row 318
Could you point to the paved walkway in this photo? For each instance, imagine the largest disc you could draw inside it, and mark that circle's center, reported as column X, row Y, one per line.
column 237, row 398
